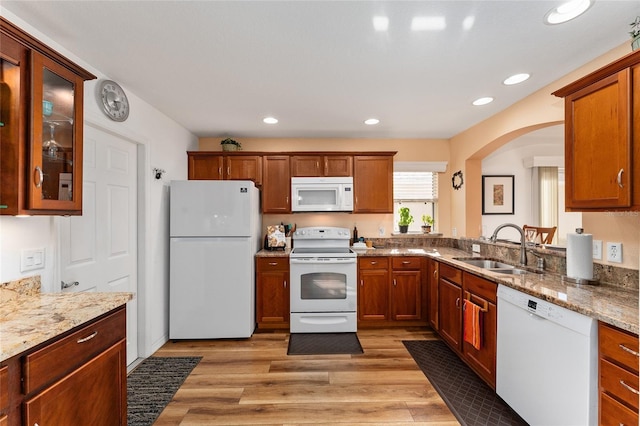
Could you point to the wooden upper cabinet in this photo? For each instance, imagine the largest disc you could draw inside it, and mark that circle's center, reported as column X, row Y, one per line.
column 277, row 184
column 373, row 184
column 321, row 165
column 244, row 167
column 205, row 165
column 601, row 138
column 41, row 133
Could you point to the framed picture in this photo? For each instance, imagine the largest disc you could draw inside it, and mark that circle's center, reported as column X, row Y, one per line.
column 497, row 194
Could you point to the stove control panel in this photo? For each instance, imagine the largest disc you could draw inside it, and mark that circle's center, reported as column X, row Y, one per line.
column 322, row 233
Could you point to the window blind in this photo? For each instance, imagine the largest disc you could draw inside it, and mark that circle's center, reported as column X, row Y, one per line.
column 415, row 186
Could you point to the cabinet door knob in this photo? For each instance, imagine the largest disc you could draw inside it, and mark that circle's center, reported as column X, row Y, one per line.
column 458, row 302
column 40, row 177
column 619, row 178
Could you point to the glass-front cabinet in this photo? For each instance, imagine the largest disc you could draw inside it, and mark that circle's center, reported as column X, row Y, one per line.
column 41, row 125
column 56, row 179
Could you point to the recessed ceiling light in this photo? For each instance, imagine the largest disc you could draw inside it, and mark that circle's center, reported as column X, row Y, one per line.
column 270, row 120
column 380, row 23
column 567, row 11
column 428, row 23
column 516, row 78
column 483, row 101
column 371, row 121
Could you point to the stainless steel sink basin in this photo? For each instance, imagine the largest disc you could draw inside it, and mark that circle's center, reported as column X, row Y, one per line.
column 485, row 263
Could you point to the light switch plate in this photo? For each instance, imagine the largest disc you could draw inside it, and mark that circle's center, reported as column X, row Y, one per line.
column 31, row 259
column 597, row 249
column 614, row 252
column 475, row 248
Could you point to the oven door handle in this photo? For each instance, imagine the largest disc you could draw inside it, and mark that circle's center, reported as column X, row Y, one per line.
column 323, row 261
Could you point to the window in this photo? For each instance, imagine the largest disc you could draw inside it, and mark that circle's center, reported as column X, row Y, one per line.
column 417, row 190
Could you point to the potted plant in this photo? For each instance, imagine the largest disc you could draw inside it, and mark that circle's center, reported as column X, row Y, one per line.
column 405, row 219
column 427, row 221
column 635, row 34
column 229, row 144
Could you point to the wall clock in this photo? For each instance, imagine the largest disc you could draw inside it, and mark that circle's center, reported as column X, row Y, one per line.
column 457, row 180
column 114, row 101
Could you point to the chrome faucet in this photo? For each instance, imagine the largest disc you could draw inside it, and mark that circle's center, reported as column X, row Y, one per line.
column 523, row 253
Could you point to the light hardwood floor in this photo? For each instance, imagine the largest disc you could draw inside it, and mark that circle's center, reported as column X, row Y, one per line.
column 254, row 381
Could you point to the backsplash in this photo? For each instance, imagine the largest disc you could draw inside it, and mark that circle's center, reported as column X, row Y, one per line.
column 554, row 260
column 28, row 286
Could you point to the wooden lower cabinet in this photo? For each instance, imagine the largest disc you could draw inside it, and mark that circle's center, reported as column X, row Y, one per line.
column 373, row 289
column 453, row 287
column 432, row 293
column 272, row 292
column 618, row 376
column 484, row 294
column 407, row 298
column 91, row 395
column 79, row 378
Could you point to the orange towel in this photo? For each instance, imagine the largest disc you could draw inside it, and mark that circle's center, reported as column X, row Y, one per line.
column 472, row 324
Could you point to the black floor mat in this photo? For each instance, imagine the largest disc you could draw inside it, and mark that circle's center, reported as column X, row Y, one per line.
column 470, row 399
column 152, row 384
column 323, row 344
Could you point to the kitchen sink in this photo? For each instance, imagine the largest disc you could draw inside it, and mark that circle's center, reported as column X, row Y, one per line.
column 493, row 265
column 484, row 263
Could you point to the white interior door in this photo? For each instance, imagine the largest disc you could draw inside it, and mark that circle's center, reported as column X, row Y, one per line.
column 98, row 250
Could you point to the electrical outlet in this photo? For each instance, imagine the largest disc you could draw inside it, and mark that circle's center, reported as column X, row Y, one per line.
column 381, row 231
column 597, row 249
column 475, row 248
column 614, row 252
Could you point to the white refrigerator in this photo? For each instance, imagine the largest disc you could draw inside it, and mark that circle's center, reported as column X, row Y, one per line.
column 215, row 229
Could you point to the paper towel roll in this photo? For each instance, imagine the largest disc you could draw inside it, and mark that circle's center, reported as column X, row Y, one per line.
column 580, row 256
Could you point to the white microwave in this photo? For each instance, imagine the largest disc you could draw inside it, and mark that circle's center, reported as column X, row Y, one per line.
column 322, row 194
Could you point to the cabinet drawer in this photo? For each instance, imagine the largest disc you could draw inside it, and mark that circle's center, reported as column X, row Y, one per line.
column 612, row 342
column 481, row 287
column 612, row 413
column 373, row 262
column 450, row 273
column 62, row 356
column 273, row 264
column 4, row 388
column 613, row 380
column 406, row 262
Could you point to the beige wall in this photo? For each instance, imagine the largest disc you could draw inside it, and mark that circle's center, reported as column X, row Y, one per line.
column 368, row 224
column 461, row 210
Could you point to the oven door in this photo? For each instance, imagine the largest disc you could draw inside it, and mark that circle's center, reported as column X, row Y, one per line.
column 323, row 284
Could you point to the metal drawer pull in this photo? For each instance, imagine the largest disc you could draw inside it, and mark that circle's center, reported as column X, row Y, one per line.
column 40, row 176
column 69, row 284
column 619, row 178
column 273, row 263
column 631, row 351
column 394, row 282
column 285, row 284
column 405, row 262
column 458, row 302
column 435, row 273
column 629, row 387
column 89, row 337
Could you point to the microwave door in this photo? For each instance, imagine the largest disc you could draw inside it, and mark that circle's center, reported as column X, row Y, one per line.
column 322, row 198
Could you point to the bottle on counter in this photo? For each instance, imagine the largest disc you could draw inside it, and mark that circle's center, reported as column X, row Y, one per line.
column 355, row 234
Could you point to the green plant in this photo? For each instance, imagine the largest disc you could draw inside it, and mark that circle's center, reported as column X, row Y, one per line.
column 427, row 220
column 635, row 28
column 405, row 217
column 229, row 141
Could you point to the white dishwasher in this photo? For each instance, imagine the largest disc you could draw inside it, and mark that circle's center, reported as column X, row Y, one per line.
column 546, row 362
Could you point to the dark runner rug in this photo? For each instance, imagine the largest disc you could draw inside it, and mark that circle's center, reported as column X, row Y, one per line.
column 152, row 384
column 470, row 399
column 323, row 344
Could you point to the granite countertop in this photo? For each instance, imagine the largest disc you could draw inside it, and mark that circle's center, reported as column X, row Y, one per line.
column 611, row 304
column 28, row 319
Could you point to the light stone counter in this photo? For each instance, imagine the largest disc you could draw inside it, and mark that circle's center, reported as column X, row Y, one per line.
column 28, row 318
column 611, row 304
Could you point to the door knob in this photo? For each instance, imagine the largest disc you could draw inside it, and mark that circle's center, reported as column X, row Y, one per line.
column 69, row 284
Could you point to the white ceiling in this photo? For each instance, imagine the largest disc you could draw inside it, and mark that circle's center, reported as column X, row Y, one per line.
column 219, row 67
